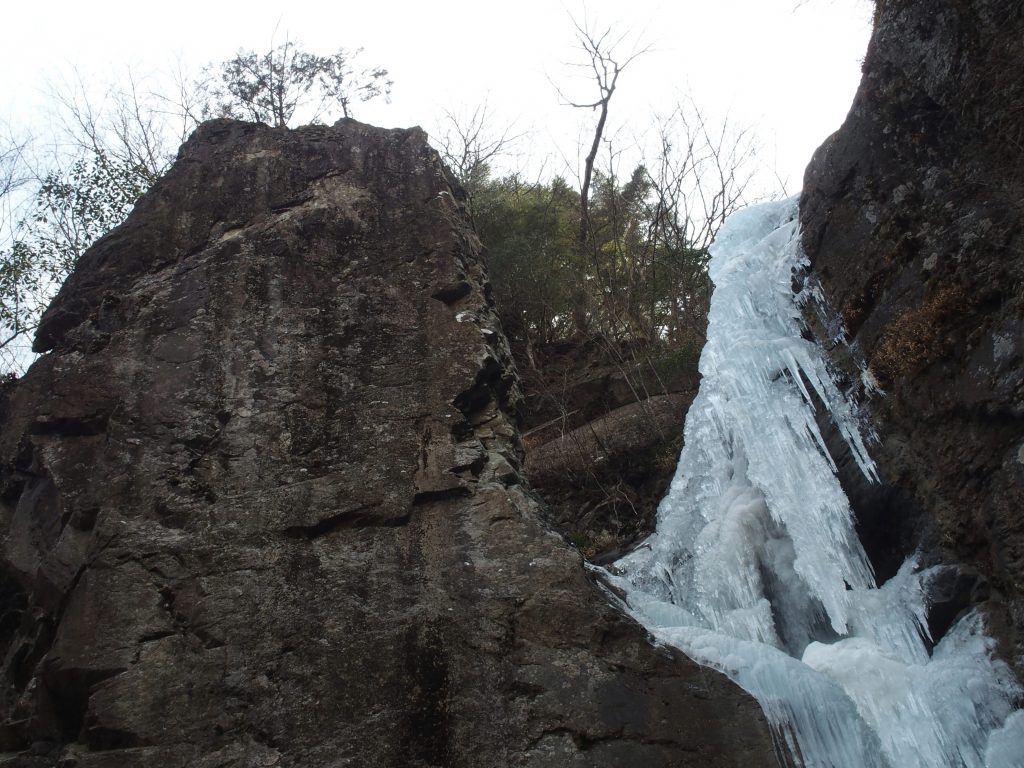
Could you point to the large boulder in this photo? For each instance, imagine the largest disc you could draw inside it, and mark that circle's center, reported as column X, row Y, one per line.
column 261, row 500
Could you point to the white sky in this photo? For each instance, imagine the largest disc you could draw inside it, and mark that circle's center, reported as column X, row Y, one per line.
column 788, row 68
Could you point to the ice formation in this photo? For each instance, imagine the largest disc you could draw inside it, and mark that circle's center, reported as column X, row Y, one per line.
column 755, row 568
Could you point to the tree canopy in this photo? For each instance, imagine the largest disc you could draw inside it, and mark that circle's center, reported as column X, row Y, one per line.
column 272, row 87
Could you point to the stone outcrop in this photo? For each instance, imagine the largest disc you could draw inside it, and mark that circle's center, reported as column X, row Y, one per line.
column 602, row 481
column 912, row 218
column 261, row 500
column 602, row 431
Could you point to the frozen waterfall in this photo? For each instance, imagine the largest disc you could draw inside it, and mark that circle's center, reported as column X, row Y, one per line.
column 756, row 570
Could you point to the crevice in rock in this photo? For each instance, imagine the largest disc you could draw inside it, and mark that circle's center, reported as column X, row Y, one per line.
column 429, row 730
column 181, row 622
column 13, row 604
column 426, row 497
column 67, row 692
column 70, row 426
column 36, row 638
column 100, row 739
column 350, row 518
column 450, row 294
column 84, row 520
column 295, row 202
column 491, row 382
column 158, row 635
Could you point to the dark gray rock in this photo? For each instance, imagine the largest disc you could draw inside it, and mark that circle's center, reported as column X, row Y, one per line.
column 261, row 501
column 602, row 430
column 912, row 217
column 603, row 480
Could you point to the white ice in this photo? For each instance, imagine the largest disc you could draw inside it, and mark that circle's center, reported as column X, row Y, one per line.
column 756, row 570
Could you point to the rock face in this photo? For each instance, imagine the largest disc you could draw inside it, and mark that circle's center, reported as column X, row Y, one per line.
column 912, row 217
column 261, row 500
column 603, row 480
column 602, row 429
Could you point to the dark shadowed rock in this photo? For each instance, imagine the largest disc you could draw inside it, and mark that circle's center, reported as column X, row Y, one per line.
column 912, row 216
column 602, row 481
column 261, row 501
column 602, row 429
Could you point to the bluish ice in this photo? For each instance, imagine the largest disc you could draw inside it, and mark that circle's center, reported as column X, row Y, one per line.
column 755, row 567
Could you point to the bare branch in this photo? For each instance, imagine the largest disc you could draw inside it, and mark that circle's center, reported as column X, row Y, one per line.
column 469, row 147
column 606, row 66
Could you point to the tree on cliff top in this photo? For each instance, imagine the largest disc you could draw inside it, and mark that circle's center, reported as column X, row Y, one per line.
column 111, row 146
column 271, row 87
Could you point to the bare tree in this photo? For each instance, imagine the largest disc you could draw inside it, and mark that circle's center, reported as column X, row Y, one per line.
column 469, row 145
column 110, row 146
column 605, row 64
column 132, row 123
column 14, row 175
column 699, row 176
column 12, row 169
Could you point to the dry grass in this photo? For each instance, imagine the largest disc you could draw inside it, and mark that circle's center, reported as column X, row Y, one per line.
column 917, row 337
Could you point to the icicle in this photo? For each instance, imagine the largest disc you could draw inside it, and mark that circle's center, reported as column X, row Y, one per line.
column 755, row 568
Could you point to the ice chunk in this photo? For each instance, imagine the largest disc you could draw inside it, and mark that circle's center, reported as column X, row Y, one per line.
column 1006, row 744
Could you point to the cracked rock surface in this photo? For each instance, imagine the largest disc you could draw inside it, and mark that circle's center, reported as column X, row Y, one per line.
column 261, row 500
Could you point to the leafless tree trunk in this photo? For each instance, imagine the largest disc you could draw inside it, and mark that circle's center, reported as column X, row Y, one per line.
column 605, row 64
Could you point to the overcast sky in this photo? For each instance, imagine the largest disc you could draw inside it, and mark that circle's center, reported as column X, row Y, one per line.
column 789, row 68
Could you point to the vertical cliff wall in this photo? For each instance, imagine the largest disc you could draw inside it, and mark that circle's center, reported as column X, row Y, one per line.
column 912, row 217
column 261, row 501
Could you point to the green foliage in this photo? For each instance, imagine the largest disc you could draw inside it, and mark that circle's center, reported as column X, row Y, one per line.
column 271, row 87
column 75, row 207
column 637, row 278
column 20, row 285
column 70, row 210
column 121, row 143
column 529, row 229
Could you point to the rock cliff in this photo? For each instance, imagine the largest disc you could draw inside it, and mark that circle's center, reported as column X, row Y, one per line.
column 912, row 218
column 261, row 501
